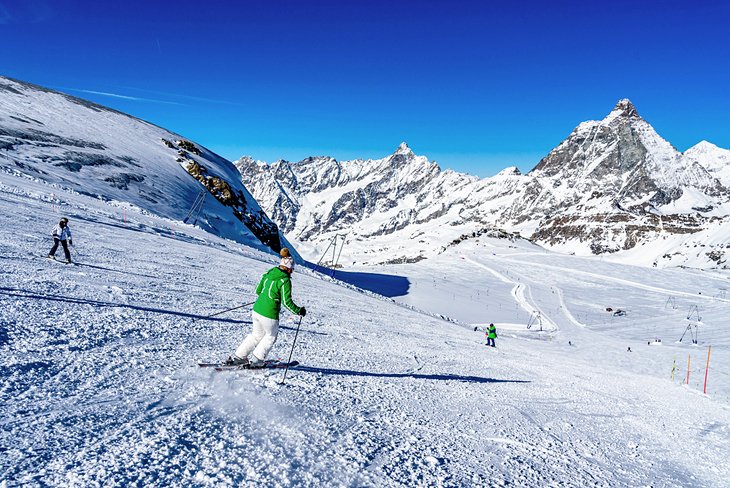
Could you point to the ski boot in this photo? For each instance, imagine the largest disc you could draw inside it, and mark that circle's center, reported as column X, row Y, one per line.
column 236, row 361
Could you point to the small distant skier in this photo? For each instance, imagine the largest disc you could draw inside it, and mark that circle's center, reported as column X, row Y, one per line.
column 273, row 290
column 491, row 335
column 61, row 233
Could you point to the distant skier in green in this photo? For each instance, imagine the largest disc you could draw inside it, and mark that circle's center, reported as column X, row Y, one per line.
column 273, row 290
column 491, row 335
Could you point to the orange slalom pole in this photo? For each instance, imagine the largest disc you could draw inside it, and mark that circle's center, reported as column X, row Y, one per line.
column 707, row 368
column 688, row 358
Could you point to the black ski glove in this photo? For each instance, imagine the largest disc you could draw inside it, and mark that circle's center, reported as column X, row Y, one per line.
column 302, row 311
column 70, row 242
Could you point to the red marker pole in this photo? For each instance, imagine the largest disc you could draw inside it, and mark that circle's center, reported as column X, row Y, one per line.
column 688, row 358
column 707, row 368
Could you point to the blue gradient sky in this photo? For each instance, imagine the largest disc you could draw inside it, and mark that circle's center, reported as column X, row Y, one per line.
column 477, row 86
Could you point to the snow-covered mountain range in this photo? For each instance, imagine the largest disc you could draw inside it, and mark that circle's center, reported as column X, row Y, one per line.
column 73, row 143
column 613, row 187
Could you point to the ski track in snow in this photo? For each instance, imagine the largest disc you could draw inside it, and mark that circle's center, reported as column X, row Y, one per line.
column 621, row 281
column 100, row 384
column 566, row 310
column 518, row 292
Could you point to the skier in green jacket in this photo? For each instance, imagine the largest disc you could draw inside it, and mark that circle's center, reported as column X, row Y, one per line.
column 491, row 335
column 273, row 290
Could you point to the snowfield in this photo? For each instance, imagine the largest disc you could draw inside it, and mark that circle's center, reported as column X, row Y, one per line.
column 100, row 383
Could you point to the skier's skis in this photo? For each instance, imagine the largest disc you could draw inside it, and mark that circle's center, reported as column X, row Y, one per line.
column 51, row 258
column 268, row 364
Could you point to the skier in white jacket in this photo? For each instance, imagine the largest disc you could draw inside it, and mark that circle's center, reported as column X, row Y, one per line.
column 62, row 234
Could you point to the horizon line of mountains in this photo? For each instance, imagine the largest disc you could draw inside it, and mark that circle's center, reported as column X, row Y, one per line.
column 612, row 187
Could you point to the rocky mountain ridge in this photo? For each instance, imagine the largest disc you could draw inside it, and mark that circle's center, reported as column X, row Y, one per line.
column 612, row 187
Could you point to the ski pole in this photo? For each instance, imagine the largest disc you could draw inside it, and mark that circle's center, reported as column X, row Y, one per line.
column 292, row 349
column 224, row 311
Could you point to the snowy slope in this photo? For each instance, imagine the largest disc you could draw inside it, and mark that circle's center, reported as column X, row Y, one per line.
column 76, row 144
column 611, row 186
column 100, row 384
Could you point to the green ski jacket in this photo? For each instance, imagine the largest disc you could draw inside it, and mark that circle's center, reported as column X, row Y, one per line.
column 492, row 332
column 274, row 288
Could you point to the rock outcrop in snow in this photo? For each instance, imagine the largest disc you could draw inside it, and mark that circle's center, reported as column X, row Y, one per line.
column 612, row 185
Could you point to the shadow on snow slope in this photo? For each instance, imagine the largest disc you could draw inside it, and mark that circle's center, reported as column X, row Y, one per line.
column 17, row 292
column 442, row 377
column 383, row 284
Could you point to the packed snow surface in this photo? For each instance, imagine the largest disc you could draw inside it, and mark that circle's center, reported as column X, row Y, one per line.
column 100, row 383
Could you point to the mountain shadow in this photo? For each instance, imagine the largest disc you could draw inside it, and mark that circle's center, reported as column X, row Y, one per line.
column 383, row 284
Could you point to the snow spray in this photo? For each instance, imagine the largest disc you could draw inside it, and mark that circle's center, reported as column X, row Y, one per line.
column 707, row 368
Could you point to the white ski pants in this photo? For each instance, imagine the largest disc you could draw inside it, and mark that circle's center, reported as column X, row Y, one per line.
column 261, row 339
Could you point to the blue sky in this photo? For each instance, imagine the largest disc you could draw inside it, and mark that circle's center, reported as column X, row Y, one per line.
column 477, row 86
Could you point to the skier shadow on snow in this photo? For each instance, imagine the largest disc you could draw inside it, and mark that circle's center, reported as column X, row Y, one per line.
column 301, row 331
column 382, row 284
column 116, row 270
column 20, row 293
column 441, row 377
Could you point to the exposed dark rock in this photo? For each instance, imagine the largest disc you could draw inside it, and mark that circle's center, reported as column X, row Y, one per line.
column 256, row 221
column 130, row 161
column 716, row 256
column 35, row 136
column 189, row 146
column 404, row 260
column 74, row 161
column 6, row 87
column 27, row 120
column 122, row 180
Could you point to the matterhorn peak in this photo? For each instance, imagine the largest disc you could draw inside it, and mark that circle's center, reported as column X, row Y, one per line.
column 623, row 109
column 403, row 149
